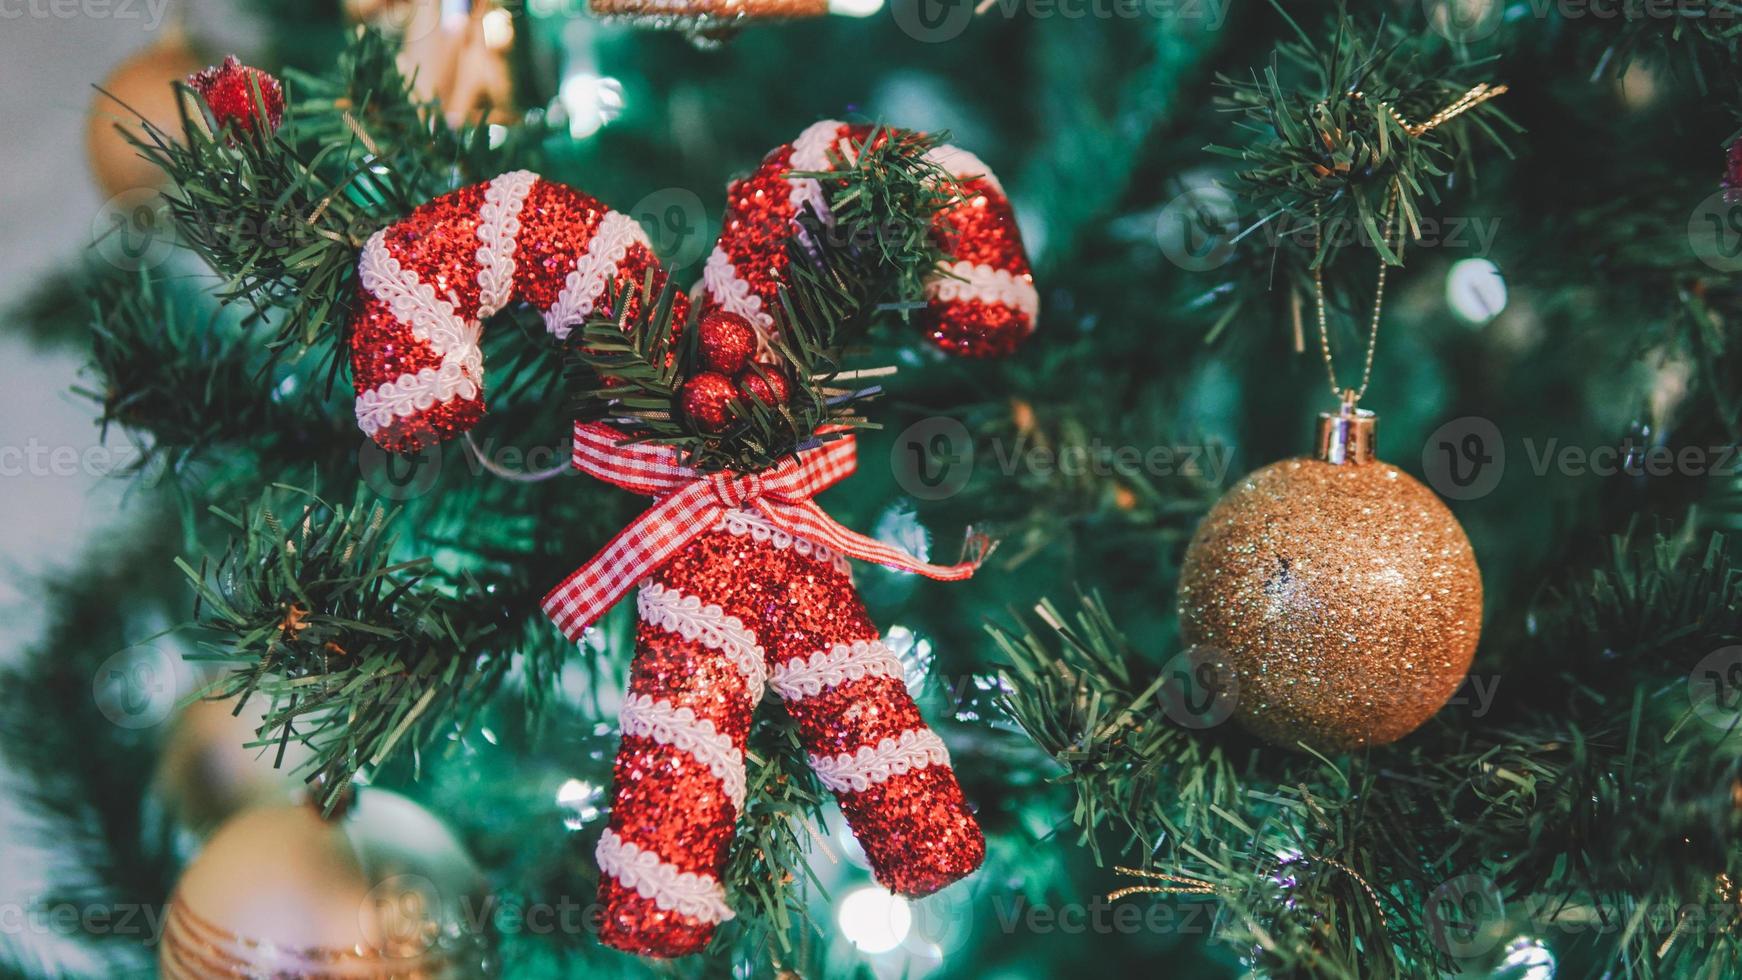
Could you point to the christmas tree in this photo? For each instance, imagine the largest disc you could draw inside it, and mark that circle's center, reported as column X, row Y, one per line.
column 1338, row 404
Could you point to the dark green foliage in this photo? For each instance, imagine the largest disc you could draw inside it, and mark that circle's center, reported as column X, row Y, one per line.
column 1327, row 156
column 357, row 653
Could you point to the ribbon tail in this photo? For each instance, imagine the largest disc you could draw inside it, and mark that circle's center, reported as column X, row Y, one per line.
column 635, row 553
column 808, row 521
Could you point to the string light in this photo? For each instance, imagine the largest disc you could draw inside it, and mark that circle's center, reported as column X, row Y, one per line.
column 1475, row 290
column 498, row 27
column 590, row 102
column 579, row 800
column 1529, row 958
column 874, row 920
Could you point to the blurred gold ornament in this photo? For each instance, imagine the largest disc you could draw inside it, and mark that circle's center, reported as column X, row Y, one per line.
column 1340, row 593
column 144, row 84
column 206, row 773
column 383, row 890
column 458, row 57
column 711, row 22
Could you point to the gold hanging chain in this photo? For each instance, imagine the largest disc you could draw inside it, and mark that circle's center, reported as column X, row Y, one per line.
column 1350, row 396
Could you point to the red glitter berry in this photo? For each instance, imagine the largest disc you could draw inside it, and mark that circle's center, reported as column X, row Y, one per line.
column 707, row 401
column 727, row 341
column 770, row 387
column 229, row 90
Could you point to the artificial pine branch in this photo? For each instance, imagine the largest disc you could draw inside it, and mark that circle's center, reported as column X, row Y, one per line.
column 1326, row 153
column 282, row 216
column 183, row 378
column 767, row 874
column 360, row 655
column 1080, row 692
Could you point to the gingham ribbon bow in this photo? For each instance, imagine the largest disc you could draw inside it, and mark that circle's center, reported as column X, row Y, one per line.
column 690, row 504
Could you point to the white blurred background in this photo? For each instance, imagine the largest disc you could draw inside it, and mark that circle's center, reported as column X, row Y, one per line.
column 48, row 204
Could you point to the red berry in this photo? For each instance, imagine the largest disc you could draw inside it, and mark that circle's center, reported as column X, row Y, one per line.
column 769, row 387
column 727, row 341
column 229, row 92
column 707, row 401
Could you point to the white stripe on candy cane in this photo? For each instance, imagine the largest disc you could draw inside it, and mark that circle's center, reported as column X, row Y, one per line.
column 966, row 281
column 680, row 729
column 807, row 677
column 498, row 235
column 585, row 286
column 709, row 625
column 701, row 897
column 855, row 772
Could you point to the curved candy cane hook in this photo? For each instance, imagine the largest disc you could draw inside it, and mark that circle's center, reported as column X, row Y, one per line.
column 428, row 282
column 981, row 301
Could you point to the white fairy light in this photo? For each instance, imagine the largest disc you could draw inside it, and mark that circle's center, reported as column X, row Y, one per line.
column 874, row 920
column 1476, row 290
column 498, row 28
column 1530, row 958
column 590, row 101
column 579, row 800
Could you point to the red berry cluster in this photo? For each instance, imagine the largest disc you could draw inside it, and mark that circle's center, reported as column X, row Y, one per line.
column 229, row 91
column 727, row 345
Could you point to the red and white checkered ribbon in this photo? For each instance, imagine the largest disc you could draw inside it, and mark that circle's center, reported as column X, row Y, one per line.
column 690, row 504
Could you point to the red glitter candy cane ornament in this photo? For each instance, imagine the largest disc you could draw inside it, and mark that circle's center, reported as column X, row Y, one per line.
column 744, row 585
column 981, row 301
column 428, row 282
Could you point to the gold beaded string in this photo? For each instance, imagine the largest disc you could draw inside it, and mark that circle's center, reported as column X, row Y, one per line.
column 1176, row 884
column 1187, row 885
column 1350, row 396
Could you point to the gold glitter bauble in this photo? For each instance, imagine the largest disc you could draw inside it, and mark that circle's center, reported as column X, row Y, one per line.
column 1343, row 597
